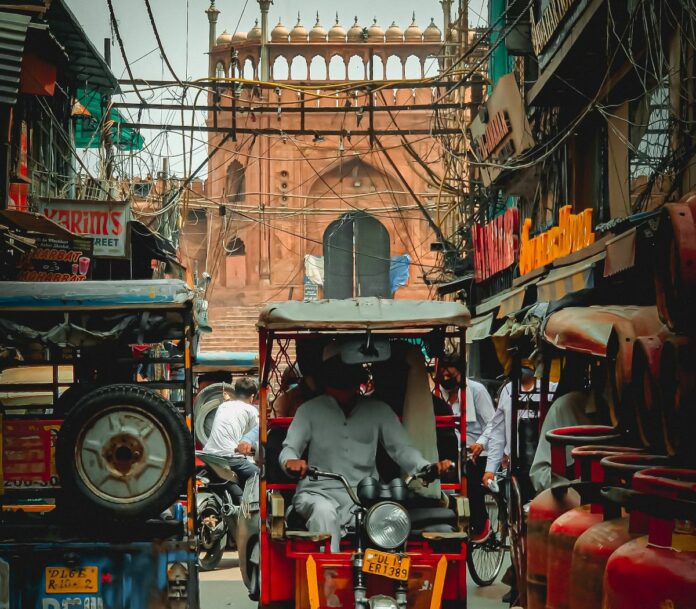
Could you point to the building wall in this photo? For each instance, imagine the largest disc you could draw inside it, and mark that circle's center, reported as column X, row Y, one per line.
column 294, row 186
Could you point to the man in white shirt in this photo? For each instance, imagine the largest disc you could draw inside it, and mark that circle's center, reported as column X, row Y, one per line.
column 479, row 411
column 496, row 437
column 233, row 420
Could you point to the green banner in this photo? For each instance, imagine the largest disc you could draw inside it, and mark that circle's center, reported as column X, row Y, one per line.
column 89, row 120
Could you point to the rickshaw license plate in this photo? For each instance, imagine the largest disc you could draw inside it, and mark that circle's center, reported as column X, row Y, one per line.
column 388, row 565
column 67, row 580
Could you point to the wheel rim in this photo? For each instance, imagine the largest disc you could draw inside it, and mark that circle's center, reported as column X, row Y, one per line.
column 123, row 455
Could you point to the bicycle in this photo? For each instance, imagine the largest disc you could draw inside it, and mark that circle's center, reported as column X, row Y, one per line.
column 485, row 559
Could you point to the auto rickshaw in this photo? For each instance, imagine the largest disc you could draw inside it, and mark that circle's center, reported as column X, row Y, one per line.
column 420, row 563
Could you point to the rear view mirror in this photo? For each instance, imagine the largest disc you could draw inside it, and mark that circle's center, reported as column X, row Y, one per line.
column 366, row 350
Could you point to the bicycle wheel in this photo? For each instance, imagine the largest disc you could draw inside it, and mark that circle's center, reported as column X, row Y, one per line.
column 485, row 559
column 518, row 541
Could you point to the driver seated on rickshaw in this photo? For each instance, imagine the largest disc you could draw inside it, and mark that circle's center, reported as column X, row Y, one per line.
column 341, row 431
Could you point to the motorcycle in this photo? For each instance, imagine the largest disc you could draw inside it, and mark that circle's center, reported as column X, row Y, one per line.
column 216, row 507
column 382, row 528
column 228, row 518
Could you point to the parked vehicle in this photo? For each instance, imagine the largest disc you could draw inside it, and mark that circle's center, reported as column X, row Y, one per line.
column 98, row 477
column 422, row 562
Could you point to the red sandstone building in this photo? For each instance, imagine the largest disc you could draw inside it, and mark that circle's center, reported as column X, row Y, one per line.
column 273, row 199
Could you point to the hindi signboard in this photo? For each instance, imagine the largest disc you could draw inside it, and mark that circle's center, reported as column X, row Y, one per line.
column 105, row 221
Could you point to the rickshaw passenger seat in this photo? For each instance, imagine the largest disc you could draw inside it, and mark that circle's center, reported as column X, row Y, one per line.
column 448, row 448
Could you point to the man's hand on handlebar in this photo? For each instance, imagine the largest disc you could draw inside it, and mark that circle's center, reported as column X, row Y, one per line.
column 296, row 467
column 444, row 466
column 487, row 476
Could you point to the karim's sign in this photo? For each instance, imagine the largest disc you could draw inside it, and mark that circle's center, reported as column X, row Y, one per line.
column 495, row 245
column 105, row 221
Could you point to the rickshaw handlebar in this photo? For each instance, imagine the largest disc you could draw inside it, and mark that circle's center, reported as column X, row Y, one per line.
column 314, row 474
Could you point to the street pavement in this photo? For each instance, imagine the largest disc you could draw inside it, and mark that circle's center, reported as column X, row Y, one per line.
column 223, row 589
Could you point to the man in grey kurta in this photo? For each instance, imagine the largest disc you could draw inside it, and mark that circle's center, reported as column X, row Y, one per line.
column 341, row 430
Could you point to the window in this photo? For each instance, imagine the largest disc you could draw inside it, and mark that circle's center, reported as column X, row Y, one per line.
column 220, row 70
column 649, row 145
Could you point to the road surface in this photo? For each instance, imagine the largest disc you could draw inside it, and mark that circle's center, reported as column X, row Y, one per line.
column 223, row 589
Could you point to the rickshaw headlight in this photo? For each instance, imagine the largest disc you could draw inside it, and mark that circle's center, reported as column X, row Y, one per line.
column 388, row 525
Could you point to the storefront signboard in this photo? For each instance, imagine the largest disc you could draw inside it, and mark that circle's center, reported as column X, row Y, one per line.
column 56, row 259
column 105, row 221
column 500, row 132
column 574, row 232
column 495, row 244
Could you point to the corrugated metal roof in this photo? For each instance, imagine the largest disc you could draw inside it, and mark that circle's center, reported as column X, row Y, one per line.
column 13, row 35
column 85, row 64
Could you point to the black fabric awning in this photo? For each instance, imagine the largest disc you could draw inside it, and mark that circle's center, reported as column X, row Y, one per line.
column 13, row 36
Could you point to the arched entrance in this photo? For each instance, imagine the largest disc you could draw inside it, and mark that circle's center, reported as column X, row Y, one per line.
column 235, row 263
column 356, row 257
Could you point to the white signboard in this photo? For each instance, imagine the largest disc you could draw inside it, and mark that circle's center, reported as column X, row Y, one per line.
column 105, row 221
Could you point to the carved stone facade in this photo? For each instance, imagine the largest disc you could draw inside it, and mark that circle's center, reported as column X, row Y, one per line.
column 279, row 192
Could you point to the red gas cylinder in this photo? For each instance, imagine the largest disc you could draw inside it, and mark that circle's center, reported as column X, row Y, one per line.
column 550, row 504
column 594, row 547
column 658, row 571
column 566, row 529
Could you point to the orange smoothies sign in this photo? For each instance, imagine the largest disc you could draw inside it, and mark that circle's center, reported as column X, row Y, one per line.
column 574, row 231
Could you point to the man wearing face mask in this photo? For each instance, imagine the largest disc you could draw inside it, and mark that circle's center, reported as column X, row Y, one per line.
column 479, row 411
column 496, row 436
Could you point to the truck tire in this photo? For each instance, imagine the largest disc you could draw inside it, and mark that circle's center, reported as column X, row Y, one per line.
column 124, row 452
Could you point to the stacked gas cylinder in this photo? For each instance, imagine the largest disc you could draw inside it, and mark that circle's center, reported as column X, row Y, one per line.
column 620, row 536
column 623, row 534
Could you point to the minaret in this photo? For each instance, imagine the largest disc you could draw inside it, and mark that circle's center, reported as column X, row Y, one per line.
column 213, row 14
column 265, row 71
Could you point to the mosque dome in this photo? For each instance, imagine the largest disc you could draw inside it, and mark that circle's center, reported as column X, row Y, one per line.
column 337, row 33
column 224, row 38
column 375, row 33
column 298, row 33
column 239, row 37
column 254, row 34
column 317, row 33
column 394, row 33
column 279, row 33
column 355, row 32
column 432, row 33
column 413, row 33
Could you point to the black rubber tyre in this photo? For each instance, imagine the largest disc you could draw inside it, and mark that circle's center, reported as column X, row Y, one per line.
column 209, row 558
column 124, row 452
column 485, row 559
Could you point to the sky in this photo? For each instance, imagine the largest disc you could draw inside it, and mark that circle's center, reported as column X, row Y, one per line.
column 183, row 27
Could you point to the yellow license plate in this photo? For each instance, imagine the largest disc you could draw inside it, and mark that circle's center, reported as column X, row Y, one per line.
column 388, row 565
column 67, row 580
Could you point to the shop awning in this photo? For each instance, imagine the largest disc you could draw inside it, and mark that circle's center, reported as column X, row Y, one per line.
column 85, row 65
column 566, row 279
column 88, row 128
column 13, row 36
column 589, row 329
column 506, row 302
column 480, row 328
column 621, row 253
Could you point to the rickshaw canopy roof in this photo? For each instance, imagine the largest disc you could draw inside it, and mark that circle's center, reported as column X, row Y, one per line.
column 235, row 361
column 588, row 329
column 367, row 313
column 133, row 294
